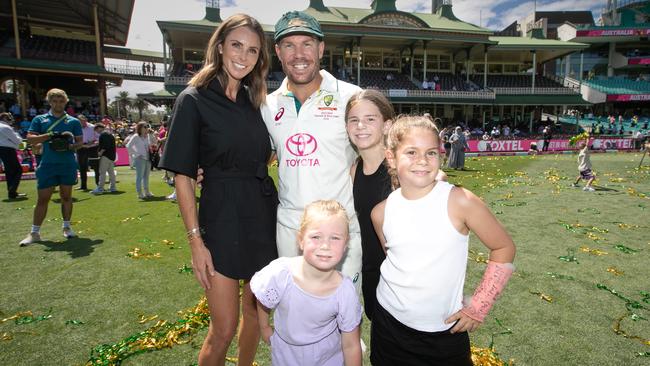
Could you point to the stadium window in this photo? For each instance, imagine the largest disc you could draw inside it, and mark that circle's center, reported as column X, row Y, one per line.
column 432, row 62
column 479, row 68
column 372, row 60
column 510, row 68
column 445, row 63
column 495, row 68
column 391, row 60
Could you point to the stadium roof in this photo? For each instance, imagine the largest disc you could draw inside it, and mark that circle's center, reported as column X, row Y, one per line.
column 132, row 54
column 59, row 67
column 76, row 15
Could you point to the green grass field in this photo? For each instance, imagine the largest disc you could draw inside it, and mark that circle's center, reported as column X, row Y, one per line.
column 552, row 312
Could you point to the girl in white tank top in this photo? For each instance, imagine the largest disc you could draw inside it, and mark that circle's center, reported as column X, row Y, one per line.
column 424, row 227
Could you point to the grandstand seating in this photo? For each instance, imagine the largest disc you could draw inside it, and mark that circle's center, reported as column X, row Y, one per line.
column 376, row 79
column 619, row 85
column 514, row 81
column 450, row 82
column 57, row 49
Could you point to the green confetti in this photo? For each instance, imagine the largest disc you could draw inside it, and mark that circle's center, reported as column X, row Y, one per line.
column 643, row 354
column 32, row 319
column 629, row 303
column 589, row 209
column 73, row 322
column 637, row 317
column 625, row 249
column 185, row 269
column 560, row 276
column 570, row 257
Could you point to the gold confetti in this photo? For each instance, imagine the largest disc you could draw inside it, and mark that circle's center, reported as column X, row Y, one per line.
column 137, row 254
column 144, row 319
column 477, row 257
column 545, row 297
column 487, row 357
column 615, row 271
column 596, row 252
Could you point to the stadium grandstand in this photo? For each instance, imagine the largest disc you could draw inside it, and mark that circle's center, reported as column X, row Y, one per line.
column 65, row 44
column 424, row 62
column 613, row 73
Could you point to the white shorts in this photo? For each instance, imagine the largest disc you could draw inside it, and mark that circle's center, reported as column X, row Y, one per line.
column 349, row 266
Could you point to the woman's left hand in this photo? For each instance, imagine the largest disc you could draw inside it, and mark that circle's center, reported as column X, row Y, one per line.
column 464, row 323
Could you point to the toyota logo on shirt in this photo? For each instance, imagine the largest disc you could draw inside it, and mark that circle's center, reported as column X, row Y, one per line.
column 301, row 144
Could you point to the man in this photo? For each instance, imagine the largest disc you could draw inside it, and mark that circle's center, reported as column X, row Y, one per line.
column 313, row 150
column 106, row 152
column 9, row 143
column 87, row 151
column 547, row 135
column 60, row 134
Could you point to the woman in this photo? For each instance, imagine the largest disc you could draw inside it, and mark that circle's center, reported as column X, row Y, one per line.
column 458, row 146
column 138, row 147
column 216, row 125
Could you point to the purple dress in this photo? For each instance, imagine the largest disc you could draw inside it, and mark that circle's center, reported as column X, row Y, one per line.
column 307, row 327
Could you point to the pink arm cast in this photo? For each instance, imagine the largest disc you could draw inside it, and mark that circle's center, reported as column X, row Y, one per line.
column 494, row 281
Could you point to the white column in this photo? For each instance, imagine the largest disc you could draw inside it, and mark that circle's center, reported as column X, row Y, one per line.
column 534, row 70
column 485, row 69
column 610, row 57
column 582, row 59
column 359, row 63
column 424, row 68
column 16, row 34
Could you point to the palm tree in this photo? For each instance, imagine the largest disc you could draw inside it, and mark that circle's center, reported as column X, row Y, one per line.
column 140, row 104
column 123, row 102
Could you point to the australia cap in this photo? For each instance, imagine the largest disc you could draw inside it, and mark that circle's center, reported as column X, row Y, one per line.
column 297, row 22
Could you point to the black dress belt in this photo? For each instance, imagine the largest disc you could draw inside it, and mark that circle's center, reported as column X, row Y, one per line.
column 259, row 171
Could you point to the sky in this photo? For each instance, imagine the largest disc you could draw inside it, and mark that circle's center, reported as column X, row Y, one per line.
column 492, row 14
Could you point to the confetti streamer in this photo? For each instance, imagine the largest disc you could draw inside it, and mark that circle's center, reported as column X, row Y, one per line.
column 615, row 271
column 185, row 269
column 27, row 317
column 625, row 249
column 560, row 276
column 137, row 254
column 545, row 297
column 629, row 303
column 505, row 330
column 487, row 357
column 596, row 252
column 619, row 331
column 6, row 336
column 74, row 322
column 144, row 319
column 477, row 257
column 592, row 210
column 161, row 335
column 570, row 257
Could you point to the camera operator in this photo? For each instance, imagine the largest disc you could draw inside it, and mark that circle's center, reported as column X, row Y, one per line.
column 60, row 135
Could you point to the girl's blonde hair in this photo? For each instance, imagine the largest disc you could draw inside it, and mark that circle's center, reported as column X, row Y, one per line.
column 375, row 97
column 400, row 128
column 213, row 64
column 319, row 210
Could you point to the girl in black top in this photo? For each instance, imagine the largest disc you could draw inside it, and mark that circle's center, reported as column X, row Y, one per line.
column 216, row 125
column 368, row 116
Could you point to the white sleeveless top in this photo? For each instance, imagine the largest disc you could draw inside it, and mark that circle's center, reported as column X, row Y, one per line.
column 423, row 275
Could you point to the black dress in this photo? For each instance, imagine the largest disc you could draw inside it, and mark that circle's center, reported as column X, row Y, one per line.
column 368, row 191
column 237, row 208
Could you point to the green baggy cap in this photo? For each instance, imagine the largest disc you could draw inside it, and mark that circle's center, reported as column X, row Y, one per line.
column 297, row 22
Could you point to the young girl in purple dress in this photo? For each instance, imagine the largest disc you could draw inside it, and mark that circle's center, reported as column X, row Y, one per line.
column 317, row 312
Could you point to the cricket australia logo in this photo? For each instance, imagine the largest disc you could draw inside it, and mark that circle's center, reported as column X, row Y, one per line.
column 328, row 99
